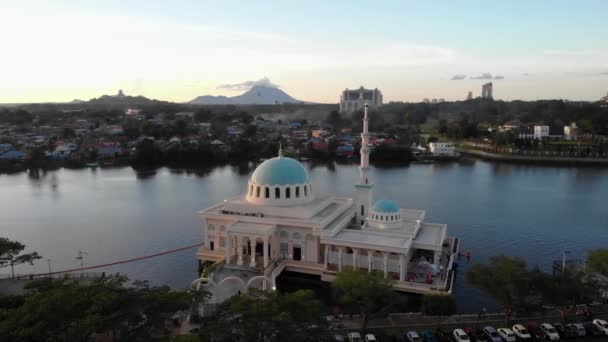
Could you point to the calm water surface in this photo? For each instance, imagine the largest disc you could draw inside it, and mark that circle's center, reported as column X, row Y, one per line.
column 534, row 212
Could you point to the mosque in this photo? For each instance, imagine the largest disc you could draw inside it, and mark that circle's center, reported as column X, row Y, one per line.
column 281, row 223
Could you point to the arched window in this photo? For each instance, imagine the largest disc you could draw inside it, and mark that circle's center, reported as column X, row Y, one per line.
column 277, row 192
column 382, row 217
column 267, row 192
column 288, row 192
column 362, row 210
column 297, row 192
column 305, row 191
column 257, row 192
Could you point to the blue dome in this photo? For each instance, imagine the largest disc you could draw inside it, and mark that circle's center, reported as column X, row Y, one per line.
column 280, row 171
column 385, row 206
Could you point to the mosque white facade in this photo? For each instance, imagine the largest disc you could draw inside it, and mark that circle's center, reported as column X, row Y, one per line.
column 283, row 223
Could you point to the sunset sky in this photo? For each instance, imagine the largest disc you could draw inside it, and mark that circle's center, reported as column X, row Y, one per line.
column 176, row 50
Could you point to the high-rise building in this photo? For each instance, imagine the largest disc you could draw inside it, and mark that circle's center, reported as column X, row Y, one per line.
column 486, row 91
column 470, row 95
column 354, row 100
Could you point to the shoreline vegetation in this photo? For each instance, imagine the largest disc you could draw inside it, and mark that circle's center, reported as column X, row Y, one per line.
column 126, row 130
column 533, row 158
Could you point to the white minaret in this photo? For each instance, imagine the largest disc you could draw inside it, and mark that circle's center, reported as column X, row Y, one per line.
column 364, row 189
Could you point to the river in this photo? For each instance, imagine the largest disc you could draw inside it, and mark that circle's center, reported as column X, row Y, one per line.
column 535, row 212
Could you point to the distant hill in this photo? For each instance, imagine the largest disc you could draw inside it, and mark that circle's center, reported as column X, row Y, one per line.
column 258, row 94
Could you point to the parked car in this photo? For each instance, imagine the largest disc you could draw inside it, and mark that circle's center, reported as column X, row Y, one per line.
column 354, row 337
column 413, row 336
column 427, row 336
column 370, row 338
column 442, row 336
column 471, row 332
column 480, row 336
column 592, row 330
column 565, row 332
column 579, row 328
column 460, row 336
column 550, row 332
column 506, row 334
column 536, row 332
column 491, row 334
column 601, row 325
column 521, row 332
column 339, row 338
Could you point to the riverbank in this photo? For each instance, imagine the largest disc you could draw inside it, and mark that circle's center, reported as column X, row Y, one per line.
column 549, row 160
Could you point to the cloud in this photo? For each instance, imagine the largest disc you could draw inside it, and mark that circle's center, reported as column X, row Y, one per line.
column 244, row 86
column 499, row 77
column 484, row 76
column 604, row 73
column 458, row 77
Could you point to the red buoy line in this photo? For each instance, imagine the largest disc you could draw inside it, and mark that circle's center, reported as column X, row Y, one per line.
column 118, row 262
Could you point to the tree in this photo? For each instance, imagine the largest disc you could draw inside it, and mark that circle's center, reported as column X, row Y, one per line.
column 597, row 261
column 71, row 311
column 438, row 305
column 334, row 119
column 369, row 292
column 507, row 280
column 268, row 317
column 203, row 115
column 10, row 254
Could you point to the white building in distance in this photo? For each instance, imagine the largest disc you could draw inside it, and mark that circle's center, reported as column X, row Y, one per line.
column 282, row 222
column 486, row 91
column 443, row 149
column 354, row 100
column 571, row 132
column 541, row 132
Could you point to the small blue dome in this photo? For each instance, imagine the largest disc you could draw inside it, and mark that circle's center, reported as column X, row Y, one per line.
column 280, row 171
column 385, row 206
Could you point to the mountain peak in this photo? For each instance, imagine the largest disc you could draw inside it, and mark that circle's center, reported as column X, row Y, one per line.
column 257, row 94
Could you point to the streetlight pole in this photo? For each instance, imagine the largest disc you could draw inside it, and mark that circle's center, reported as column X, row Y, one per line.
column 564, row 261
column 80, row 257
column 49, row 262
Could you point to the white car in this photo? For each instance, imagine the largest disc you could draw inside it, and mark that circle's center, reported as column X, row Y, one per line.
column 506, row 334
column 460, row 336
column 579, row 328
column 413, row 336
column 370, row 338
column 354, row 337
column 601, row 325
column 550, row 332
column 491, row 335
column 521, row 332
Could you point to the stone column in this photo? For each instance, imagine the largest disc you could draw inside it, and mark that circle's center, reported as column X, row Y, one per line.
column 437, row 258
column 252, row 253
column 326, row 255
column 355, row 253
column 402, row 267
column 385, row 255
column 228, row 248
column 265, row 252
column 239, row 246
column 340, row 250
column 290, row 250
column 370, row 258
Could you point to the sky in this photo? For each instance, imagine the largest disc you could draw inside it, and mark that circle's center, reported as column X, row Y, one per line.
column 54, row 51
